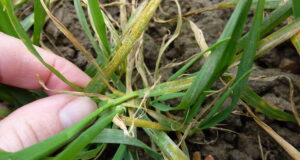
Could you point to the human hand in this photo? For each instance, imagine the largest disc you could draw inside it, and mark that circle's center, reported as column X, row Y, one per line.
column 46, row 117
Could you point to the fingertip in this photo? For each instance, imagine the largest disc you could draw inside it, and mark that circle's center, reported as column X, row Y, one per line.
column 41, row 119
column 76, row 110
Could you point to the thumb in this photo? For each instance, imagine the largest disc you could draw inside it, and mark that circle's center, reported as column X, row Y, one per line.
column 41, row 119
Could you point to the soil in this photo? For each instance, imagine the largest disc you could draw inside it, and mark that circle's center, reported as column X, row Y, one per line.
column 237, row 137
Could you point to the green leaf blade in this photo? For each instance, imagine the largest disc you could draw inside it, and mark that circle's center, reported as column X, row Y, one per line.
column 296, row 38
column 99, row 24
column 244, row 67
column 39, row 21
column 101, row 58
column 116, row 136
column 218, row 60
column 87, row 136
column 255, row 101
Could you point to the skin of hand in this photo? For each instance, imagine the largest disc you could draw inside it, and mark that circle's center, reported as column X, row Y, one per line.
column 46, row 117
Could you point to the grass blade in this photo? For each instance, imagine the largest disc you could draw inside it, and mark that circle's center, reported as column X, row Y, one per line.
column 296, row 7
column 296, row 11
column 123, row 15
column 278, row 37
column 120, row 152
column 270, row 22
column 166, row 144
column 248, row 95
column 269, row 4
column 213, row 117
column 90, row 154
column 167, row 122
column 190, row 63
column 117, row 136
column 80, row 47
column 247, row 59
column 168, row 88
column 254, row 100
column 296, row 42
column 109, row 22
column 134, row 17
column 39, row 20
column 5, row 24
column 218, row 60
column 144, row 123
column 99, row 25
column 87, row 136
column 167, row 97
column 101, row 59
column 132, row 21
column 125, row 48
column 135, row 33
column 171, row 39
column 245, row 65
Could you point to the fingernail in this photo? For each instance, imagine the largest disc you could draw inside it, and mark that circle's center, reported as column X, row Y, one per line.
column 76, row 110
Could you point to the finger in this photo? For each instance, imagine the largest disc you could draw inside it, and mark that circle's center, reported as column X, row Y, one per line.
column 18, row 67
column 41, row 119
